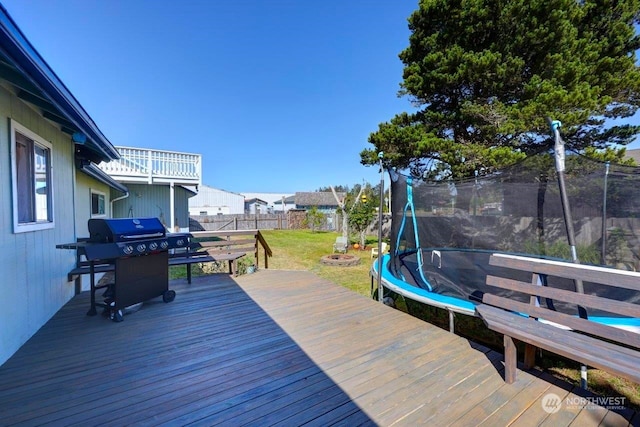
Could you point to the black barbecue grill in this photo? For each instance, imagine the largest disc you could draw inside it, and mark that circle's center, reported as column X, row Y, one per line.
column 139, row 249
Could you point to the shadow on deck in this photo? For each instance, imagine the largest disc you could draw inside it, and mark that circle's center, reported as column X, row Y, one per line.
column 275, row 347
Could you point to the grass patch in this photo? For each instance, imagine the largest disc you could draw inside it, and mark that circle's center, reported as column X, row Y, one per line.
column 300, row 250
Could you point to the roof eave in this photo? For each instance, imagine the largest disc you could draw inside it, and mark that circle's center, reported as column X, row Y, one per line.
column 15, row 46
column 94, row 171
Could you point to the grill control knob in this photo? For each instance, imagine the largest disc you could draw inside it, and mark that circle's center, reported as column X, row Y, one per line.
column 128, row 250
column 180, row 242
column 141, row 247
column 153, row 246
column 164, row 244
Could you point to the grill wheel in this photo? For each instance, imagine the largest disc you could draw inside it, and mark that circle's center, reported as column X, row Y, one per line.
column 169, row 296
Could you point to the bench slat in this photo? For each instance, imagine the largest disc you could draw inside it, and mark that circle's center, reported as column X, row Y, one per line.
column 568, row 270
column 201, row 249
column 575, row 346
column 189, row 260
column 85, row 269
column 239, row 242
column 604, row 331
column 229, row 250
column 611, row 306
column 226, row 257
column 571, row 345
column 173, row 261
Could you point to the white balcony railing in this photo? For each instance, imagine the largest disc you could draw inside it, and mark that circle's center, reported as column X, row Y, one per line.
column 155, row 166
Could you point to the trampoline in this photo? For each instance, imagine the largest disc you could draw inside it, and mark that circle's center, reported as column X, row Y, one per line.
column 443, row 232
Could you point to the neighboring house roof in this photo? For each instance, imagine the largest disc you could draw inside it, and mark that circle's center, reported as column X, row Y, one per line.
column 256, row 200
column 95, row 172
column 205, row 187
column 268, row 197
column 290, row 199
column 36, row 83
column 189, row 190
column 317, row 198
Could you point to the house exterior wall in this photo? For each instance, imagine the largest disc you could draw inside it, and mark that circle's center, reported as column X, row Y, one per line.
column 209, row 210
column 84, row 185
column 34, row 283
column 257, row 208
column 181, row 200
column 153, row 201
column 214, row 201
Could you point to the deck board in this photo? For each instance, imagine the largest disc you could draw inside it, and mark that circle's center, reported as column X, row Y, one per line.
column 271, row 348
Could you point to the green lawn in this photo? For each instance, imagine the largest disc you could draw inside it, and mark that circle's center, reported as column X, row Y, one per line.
column 302, row 250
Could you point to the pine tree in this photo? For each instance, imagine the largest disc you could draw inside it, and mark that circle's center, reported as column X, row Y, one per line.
column 484, row 76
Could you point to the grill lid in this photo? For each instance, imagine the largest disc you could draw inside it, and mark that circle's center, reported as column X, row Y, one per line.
column 111, row 230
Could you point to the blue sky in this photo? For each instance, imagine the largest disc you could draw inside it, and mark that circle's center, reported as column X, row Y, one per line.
column 277, row 96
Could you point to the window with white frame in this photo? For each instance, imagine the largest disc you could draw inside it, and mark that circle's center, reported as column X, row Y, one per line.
column 31, row 180
column 98, row 204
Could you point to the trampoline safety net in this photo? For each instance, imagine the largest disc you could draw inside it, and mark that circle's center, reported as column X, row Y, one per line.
column 444, row 232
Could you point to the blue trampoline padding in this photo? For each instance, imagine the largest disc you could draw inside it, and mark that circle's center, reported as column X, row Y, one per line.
column 408, row 290
column 468, row 307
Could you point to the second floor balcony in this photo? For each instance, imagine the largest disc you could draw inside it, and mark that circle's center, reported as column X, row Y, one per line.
column 143, row 165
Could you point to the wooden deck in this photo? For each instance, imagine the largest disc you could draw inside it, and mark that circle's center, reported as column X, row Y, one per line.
column 270, row 348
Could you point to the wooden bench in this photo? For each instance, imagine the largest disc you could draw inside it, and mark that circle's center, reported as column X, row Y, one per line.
column 594, row 344
column 231, row 245
column 204, row 246
column 232, row 259
column 191, row 255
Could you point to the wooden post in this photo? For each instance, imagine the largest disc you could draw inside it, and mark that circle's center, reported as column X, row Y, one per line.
column 255, row 236
column 529, row 356
column 510, row 360
column 266, row 259
column 78, row 281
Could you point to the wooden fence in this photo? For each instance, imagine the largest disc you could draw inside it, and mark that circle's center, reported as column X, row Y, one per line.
column 238, row 222
column 290, row 220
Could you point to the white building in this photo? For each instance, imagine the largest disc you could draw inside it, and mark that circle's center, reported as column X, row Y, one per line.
column 213, row 201
column 274, row 200
column 256, row 206
column 159, row 184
